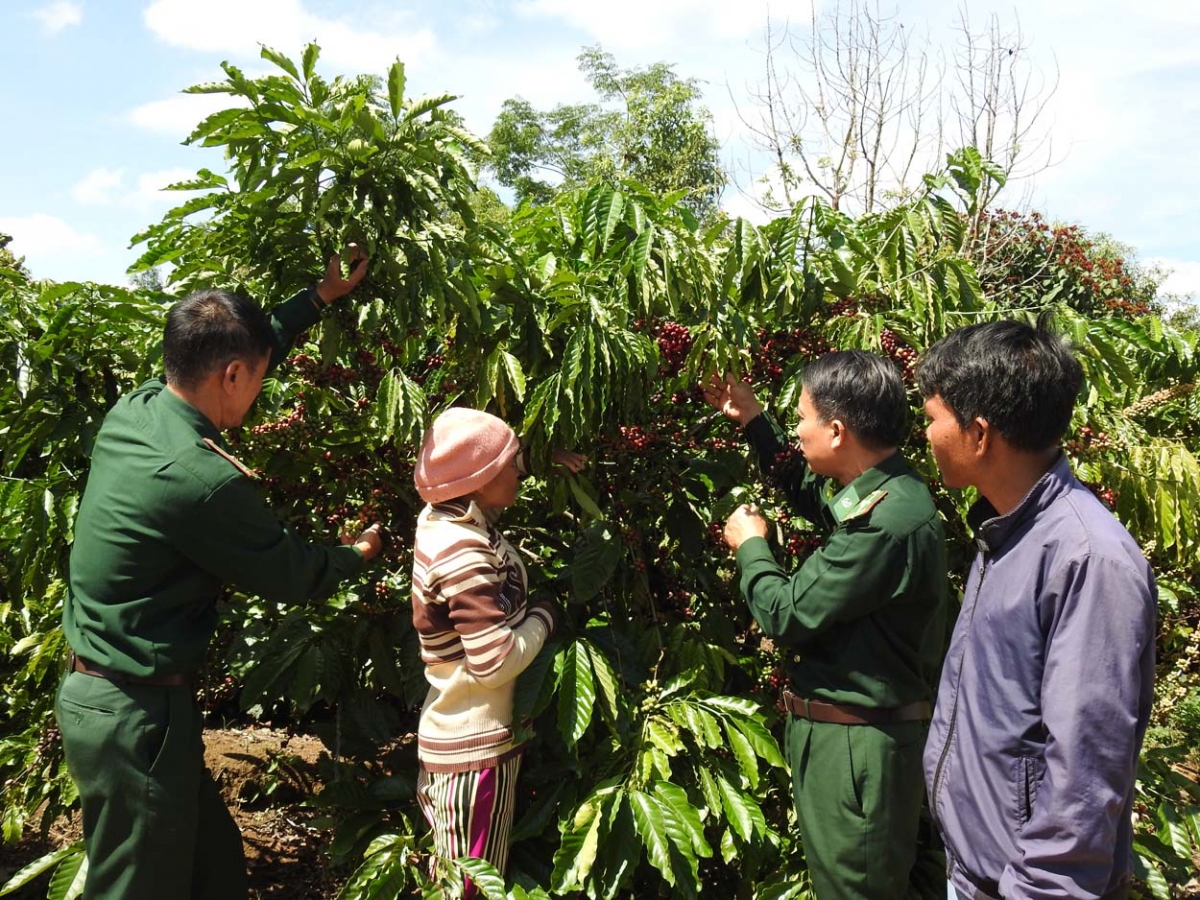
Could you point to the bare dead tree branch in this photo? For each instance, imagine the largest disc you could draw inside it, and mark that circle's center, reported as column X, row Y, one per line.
column 857, row 107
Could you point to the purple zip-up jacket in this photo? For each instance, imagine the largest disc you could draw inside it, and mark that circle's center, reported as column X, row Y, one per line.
column 1044, row 699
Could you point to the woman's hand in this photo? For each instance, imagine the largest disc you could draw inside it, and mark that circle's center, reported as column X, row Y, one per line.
column 573, row 462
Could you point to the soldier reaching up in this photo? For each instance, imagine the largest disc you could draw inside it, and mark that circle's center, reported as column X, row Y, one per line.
column 862, row 618
column 168, row 517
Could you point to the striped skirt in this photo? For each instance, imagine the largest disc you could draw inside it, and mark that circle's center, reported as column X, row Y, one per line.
column 471, row 813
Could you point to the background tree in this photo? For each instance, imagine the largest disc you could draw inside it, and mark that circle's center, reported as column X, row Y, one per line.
column 1024, row 261
column 655, row 131
column 858, row 107
column 8, row 260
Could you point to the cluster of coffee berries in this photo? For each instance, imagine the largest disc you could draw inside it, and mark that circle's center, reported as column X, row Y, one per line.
column 777, row 349
column 775, row 679
column 674, row 342
column 896, row 349
column 853, row 305
column 290, row 421
column 788, row 467
column 1089, row 439
column 430, row 364
column 718, row 443
column 368, row 364
column 636, row 438
column 1106, row 494
column 716, row 534
column 48, row 742
column 333, row 375
column 694, row 396
column 846, row 306
column 802, row 545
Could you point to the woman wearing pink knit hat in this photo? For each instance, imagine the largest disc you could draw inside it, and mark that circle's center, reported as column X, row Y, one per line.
column 477, row 632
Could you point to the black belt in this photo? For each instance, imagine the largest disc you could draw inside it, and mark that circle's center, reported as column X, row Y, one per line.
column 848, row 714
column 79, row 664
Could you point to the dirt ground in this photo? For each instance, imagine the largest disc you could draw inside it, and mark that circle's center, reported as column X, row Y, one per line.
column 284, row 854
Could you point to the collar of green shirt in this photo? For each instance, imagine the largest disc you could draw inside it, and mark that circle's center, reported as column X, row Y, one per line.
column 195, row 419
column 844, row 503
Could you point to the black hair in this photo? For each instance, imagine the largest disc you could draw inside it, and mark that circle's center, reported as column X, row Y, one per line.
column 1022, row 379
column 862, row 390
column 208, row 330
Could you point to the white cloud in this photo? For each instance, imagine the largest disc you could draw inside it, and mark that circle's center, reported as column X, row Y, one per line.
column 98, row 186
column 1184, row 279
column 177, row 116
column 239, row 27
column 109, row 187
column 639, row 24
column 44, row 235
column 58, row 15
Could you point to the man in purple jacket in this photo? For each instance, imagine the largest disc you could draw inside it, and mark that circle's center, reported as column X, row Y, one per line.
column 1046, row 689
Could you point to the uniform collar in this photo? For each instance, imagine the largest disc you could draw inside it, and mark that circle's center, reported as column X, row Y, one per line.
column 196, row 420
column 847, row 500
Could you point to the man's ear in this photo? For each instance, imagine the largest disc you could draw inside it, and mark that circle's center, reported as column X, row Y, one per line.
column 837, row 432
column 982, row 433
column 233, row 375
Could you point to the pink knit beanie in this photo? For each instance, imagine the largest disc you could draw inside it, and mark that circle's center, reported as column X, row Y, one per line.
column 463, row 450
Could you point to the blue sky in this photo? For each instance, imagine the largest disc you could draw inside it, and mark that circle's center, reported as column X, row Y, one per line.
column 89, row 94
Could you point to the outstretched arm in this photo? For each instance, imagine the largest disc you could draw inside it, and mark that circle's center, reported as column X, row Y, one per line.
column 302, row 311
column 803, row 488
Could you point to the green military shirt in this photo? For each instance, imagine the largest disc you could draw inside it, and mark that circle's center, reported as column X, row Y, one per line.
column 168, row 517
column 864, row 614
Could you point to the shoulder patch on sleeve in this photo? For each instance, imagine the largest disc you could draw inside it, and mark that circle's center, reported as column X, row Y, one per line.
column 867, row 504
column 237, row 463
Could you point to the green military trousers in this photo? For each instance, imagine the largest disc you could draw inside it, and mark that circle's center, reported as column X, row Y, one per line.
column 858, row 792
column 153, row 822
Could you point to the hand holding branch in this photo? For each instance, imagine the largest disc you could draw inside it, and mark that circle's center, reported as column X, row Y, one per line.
column 732, row 397
column 573, row 462
column 369, row 541
column 333, row 285
column 746, row 521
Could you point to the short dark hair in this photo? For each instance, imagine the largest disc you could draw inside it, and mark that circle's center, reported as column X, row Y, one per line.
column 1020, row 378
column 864, row 391
column 208, row 330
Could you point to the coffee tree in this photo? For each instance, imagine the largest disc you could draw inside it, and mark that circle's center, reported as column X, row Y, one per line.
column 653, row 767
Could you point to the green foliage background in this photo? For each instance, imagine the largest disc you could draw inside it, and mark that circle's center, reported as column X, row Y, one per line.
column 587, row 320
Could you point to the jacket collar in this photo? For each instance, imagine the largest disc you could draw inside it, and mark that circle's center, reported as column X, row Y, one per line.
column 845, row 501
column 992, row 531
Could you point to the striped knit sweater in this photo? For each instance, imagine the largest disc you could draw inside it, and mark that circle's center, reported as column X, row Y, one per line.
column 477, row 635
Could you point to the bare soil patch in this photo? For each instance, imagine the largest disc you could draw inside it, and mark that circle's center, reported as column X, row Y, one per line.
column 263, row 775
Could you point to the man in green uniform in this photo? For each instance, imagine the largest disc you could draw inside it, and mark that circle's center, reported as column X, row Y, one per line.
column 862, row 618
column 167, row 518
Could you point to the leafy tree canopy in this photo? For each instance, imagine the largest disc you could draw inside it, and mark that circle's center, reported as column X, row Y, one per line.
column 654, row 130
